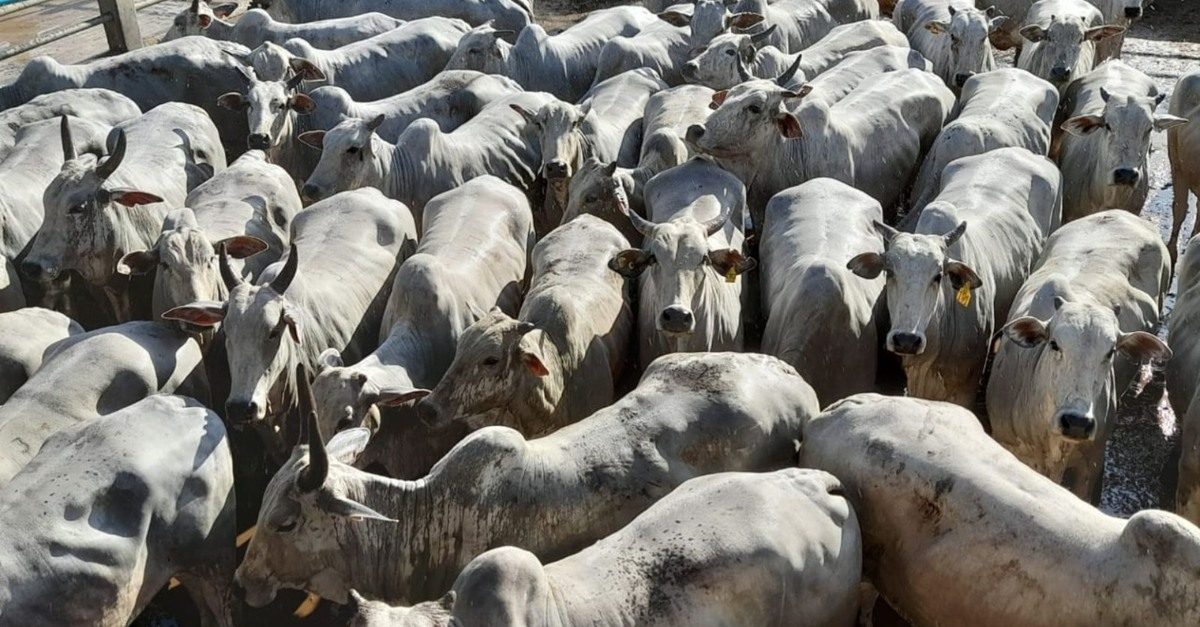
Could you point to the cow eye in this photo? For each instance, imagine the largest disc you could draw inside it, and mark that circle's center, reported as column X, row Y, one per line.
column 937, row 278
column 286, row 527
column 491, row 361
column 1054, row 346
column 1111, row 352
column 475, row 51
column 590, row 198
column 353, row 150
column 755, row 109
column 78, row 208
column 731, row 52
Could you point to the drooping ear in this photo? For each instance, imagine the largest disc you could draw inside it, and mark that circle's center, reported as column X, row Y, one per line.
column 533, row 362
column 867, row 265
column 132, row 198
column 202, row 313
column 1026, row 331
column 1102, row 32
column 1033, row 33
column 313, row 139
column 731, row 260
column 302, row 104
column 345, row 446
column 293, row 327
column 306, row 69
column 1165, row 121
column 675, row 17
column 396, row 397
column 886, row 232
column 138, row 262
column 242, row 246
column 788, row 125
column 937, row 28
column 631, row 262
column 346, row 508
column 232, row 101
column 743, row 20
column 529, row 117
column 718, row 99
column 225, row 9
column 1140, row 346
column 204, row 21
column 961, row 274
column 329, row 358
column 1081, row 125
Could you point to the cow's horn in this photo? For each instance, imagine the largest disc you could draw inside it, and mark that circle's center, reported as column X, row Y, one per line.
column 640, row 224
column 294, row 82
column 718, row 223
column 761, row 38
column 68, row 144
column 195, row 7
column 110, row 165
column 284, row 279
column 783, row 79
column 313, row 477
column 956, row 233
column 228, row 276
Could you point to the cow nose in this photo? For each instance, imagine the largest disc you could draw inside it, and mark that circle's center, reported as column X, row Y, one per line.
column 1125, row 176
column 903, row 343
column 241, row 411
column 1132, row 12
column 427, row 412
column 556, row 169
column 689, row 70
column 961, row 78
column 676, row 319
column 694, row 133
column 1060, row 74
column 32, row 270
column 259, row 141
column 1076, row 426
column 310, row 192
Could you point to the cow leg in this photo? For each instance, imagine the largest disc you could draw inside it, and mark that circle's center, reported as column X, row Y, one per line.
column 1180, row 190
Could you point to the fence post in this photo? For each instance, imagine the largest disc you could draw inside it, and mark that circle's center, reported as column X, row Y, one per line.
column 122, row 30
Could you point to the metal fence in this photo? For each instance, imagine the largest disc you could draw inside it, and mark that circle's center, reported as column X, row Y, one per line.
column 118, row 17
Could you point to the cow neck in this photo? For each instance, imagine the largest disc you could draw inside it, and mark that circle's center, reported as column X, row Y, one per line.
column 220, row 29
column 392, row 170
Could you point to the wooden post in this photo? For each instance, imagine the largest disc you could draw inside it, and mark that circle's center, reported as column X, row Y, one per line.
column 122, row 30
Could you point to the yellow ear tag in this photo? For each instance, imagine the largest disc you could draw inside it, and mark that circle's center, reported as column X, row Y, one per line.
column 964, row 295
column 731, row 275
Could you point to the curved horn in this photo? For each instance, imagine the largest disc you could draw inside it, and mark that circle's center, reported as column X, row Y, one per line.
column 759, row 39
column 717, row 223
column 955, row 233
column 68, row 144
column 228, row 276
column 195, row 7
column 284, row 279
column 313, row 477
column 294, row 82
column 783, row 79
column 640, row 224
column 110, row 165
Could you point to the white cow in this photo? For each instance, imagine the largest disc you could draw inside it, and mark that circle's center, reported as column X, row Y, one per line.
column 559, row 360
column 1059, row 39
column 25, row 335
column 957, row 531
column 773, row 549
column 690, row 261
column 1105, row 153
column 329, row 292
column 952, row 34
column 113, row 509
column 511, row 15
column 94, row 374
column 101, row 106
column 997, row 109
column 820, row 319
column 328, row 528
column 256, row 27
column 1183, row 148
column 1096, row 291
column 563, row 64
column 1183, row 379
column 950, row 283
column 795, row 24
column 1121, row 13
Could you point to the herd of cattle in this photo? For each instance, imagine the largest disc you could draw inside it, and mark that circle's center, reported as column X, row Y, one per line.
column 490, row 326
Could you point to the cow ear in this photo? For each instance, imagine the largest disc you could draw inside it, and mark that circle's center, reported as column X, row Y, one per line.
column 1102, row 32
column 801, row 92
column 243, row 246
column 302, row 104
column 730, row 262
column 329, row 358
column 718, row 99
column 204, row 21
column 533, row 362
column 1033, row 33
column 529, row 117
column 1164, row 122
column 961, row 274
column 138, row 262
column 132, row 198
column 224, row 10
column 1140, row 346
column 867, row 265
column 1026, row 331
column 937, row 28
column 675, row 18
column 630, row 263
column 743, row 20
column 202, row 313
column 306, row 69
column 1081, row 125
column 345, row 446
column 232, row 101
column 789, row 126
column 313, row 139
column 346, row 508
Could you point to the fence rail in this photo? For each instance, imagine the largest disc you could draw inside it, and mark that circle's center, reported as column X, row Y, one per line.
column 118, row 17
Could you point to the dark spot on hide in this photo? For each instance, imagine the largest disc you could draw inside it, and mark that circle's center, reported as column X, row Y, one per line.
column 118, row 509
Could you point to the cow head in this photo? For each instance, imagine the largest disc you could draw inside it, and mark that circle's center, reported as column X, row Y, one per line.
column 186, row 261
column 270, row 61
column 347, row 397
column 922, row 281
column 262, row 335
column 681, row 265
column 88, row 220
column 196, row 19
column 492, row 358
column 970, row 48
column 1130, row 9
column 305, row 512
column 594, row 192
column 727, row 60
column 708, row 18
column 1122, row 135
column 347, row 157
column 361, row 612
column 271, row 105
column 558, row 126
column 1066, row 47
column 504, row 586
column 1075, row 350
column 749, row 119
column 482, row 49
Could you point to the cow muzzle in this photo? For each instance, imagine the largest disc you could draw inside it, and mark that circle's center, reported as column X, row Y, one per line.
column 690, row 70
column 310, row 192
column 38, row 272
column 259, row 141
column 430, row 413
column 1076, row 427
column 556, row 169
column 1133, row 12
column 905, row 343
column 1125, row 176
column 676, row 319
column 242, row 412
column 1060, row 74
